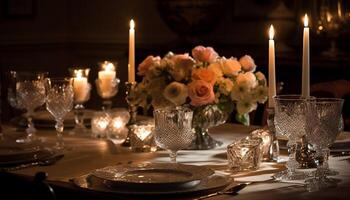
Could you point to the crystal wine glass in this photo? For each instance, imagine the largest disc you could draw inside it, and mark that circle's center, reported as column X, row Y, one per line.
column 291, row 121
column 326, row 115
column 332, row 19
column 30, row 94
column 107, row 83
column 81, row 88
column 11, row 91
column 173, row 129
column 59, row 101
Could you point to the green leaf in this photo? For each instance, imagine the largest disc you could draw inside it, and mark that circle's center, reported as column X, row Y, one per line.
column 244, row 119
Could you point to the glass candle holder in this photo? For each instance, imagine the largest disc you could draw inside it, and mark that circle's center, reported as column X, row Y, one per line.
column 117, row 130
column 143, row 138
column 107, row 83
column 266, row 144
column 81, row 88
column 244, row 154
column 99, row 124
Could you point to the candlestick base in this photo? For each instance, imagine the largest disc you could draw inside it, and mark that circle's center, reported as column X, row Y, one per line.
column 273, row 152
column 130, row 86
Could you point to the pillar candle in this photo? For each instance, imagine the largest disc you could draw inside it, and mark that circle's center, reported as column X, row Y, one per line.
column 131, row 66
column 272, row 78
column 106, row 77
column 80, row 87
column 305, row 90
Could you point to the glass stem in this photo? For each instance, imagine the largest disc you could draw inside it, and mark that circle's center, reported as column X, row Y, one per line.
column 59, row 129
column 292, row 164
column 173, row 155
column 79, row 116
column 325, row 158
column 30, row 127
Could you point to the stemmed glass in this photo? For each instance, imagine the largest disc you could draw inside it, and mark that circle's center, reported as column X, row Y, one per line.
column 11, row 91
column 173, row 129
column 332, row 19
column 291, row 121
column 30, row 94
column 326, row 118
column 81, row 88
column 107, row 83
column 59, row 101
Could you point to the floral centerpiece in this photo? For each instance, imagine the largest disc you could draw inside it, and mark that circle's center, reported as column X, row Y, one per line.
column 211, row 85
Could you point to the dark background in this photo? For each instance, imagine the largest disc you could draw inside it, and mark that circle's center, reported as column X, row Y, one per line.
column 57, row 34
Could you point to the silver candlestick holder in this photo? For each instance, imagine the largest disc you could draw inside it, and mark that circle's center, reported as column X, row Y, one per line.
column 274, row 147
column 130, row 86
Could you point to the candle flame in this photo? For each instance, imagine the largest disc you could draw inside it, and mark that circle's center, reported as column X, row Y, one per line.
column 78, row 73
column 132, row 24
column 271, row 32
column 306, row 21
column 108, row 66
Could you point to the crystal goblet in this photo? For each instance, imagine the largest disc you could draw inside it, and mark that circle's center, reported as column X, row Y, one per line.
column 291, row 121
column 326, row 115
column 30, row 94
column 173, row 129
column 81, row 88
column 59, row 101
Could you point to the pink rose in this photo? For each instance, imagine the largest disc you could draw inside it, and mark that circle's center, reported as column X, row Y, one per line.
column 147, row 63
column 200, row 93
column 204, row 54
column 247, row 63
column 204, row 74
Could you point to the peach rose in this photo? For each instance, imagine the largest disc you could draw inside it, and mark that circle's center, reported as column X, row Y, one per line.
column 231, row 67
column 247, row 63
column 204, row 54
column 216, row 68
column 201, row 93
column 147, row 63
column 204, row 74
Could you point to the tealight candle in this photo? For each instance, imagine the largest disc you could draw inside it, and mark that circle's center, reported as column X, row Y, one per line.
column 143, row 138
column 99, row 124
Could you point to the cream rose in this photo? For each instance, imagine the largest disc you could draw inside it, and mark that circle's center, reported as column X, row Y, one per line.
column 247, row 79
column 176, row 92
column 225, row 86
column 245, row 106
column 204, row 54
column 201, row 93
column 231, row 67
column 147, row 63
column 247, row 63
column 260, row 94
column 261, row 78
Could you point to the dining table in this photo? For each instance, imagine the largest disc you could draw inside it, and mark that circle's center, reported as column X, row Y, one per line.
column 83, row 154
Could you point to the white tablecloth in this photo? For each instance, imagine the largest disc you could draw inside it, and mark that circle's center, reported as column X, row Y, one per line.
column 85, row 154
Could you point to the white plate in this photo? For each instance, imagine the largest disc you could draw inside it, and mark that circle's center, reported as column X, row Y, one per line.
column 12, row 153
column 210, row 184
column 156, row 175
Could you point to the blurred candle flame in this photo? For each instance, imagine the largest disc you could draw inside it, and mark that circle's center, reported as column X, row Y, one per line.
column 306, row 21
column 271, row 32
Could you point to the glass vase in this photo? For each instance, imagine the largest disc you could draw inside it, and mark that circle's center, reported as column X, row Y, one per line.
column 204, row 118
